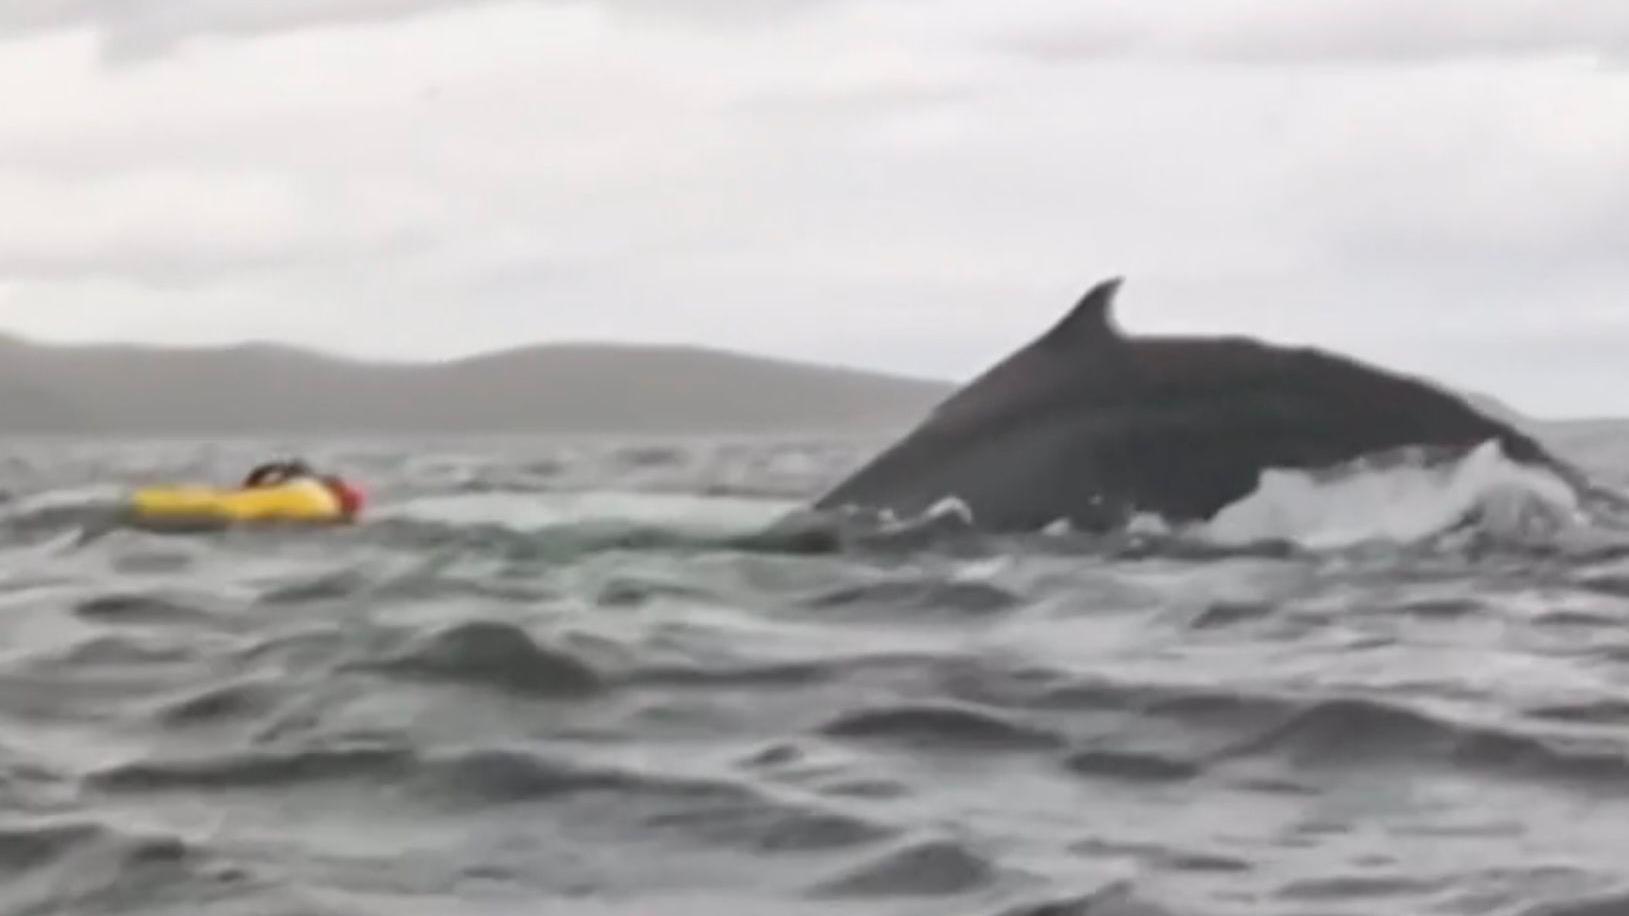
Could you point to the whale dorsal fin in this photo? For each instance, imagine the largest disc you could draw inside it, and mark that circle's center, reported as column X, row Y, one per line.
column 1091, row 319
column 1032, row 371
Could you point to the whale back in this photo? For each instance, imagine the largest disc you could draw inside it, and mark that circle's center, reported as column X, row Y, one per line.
column 1088, row 424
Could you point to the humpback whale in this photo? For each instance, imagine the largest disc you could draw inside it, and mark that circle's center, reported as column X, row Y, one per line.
column 1089, row 425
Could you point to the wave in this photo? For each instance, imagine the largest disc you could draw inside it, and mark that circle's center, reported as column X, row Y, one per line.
column 133, row 608
column 1606, row 904
column 84, row 866
column 1401, row 497
column 760, row 825
column 228, row 703
column 1346, row 732
column 1117, row 899
column 1131, row 766
column 1132, row 730
column 932, row 868
column 494, row 655
column 257, row 770
column 919, row 595
column 463, row 782
column 940, row 725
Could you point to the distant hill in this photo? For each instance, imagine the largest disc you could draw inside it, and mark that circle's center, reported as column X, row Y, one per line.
column 259, row 388
column 249, row 389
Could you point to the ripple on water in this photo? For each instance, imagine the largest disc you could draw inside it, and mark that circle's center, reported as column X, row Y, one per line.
column 933, row 868
column 1210, row 708
column 695, row 810
column 256, row 770
column 141, row 609
column 927, row 595
column 1161, row 857
column 1613, row 584
column 1441, row 608
column 771, row 674
column 632, row 591
column 1348, row 888
column 23, row 849
column 1221, row 614
column 1598, row 712
column 1114, row 900
column 492, row 776
column 496, row 655
column 1347, row 732
column 81, row 866
column 243, row 701
column 1131, row 766
column 941, row 725
column 761, row 826
column 330, row 587
column 1609, row 904
column 100, row 653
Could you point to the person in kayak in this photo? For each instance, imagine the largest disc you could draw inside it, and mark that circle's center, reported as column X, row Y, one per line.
column 348, row 498
column 277, row 473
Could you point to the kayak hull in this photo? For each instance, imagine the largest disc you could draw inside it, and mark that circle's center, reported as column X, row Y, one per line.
column 297, row 502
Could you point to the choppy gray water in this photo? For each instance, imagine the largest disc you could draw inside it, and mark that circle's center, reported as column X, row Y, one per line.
column 544, row 678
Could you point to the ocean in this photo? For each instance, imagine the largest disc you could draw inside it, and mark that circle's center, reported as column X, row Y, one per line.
column 567, row 676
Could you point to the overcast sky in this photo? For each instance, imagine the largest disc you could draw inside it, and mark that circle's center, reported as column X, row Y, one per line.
column 913, row 185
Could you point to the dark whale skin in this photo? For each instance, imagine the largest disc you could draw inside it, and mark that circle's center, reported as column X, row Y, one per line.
column 1091, row 426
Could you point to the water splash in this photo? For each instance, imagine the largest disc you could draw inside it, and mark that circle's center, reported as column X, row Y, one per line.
column 1404, row 501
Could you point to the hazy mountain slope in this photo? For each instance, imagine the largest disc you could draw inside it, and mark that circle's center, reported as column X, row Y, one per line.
column 25, row 401
column 577, row 388
column 259, row 388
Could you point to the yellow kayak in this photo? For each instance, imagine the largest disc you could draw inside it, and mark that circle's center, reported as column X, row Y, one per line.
column 296, row 501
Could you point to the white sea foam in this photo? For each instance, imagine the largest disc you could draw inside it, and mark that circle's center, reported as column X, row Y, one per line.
column 1405, row 502
column 677, row 512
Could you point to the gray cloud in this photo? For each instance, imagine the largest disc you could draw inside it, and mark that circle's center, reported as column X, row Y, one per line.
column 1336, row 31
column 134, row 30
column 1262, row 31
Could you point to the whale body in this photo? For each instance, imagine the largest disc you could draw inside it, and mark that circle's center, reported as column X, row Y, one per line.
column 1090, row 426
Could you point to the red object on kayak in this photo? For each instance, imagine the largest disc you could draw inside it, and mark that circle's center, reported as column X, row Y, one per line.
column 351, row 498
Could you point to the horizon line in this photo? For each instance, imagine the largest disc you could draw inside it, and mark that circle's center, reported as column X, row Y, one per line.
column 421, row 362
column 334, row 355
